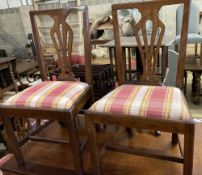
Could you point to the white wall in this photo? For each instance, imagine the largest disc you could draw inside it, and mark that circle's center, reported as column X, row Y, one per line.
column 16, row 24
column 14, row 3
column 168, row 14
column 14, row 27
column 169, row 17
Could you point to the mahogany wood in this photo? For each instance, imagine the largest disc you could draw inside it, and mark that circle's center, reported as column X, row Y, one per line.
column 62, row 37
column 57, row 158
column 148, row 47
column 129, row 46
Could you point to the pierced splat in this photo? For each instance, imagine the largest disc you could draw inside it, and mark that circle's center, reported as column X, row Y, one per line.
column 62, row 37
column 149, row 45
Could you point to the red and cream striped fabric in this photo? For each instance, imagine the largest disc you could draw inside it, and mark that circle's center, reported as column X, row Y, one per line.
column 144, row 101
column 49, row 94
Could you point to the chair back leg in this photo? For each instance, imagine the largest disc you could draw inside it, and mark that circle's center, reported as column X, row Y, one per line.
column 188, row 149
column 95, row 159
column 75, row 146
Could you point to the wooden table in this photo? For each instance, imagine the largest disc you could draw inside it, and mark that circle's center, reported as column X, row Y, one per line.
column 7, row 63
column 129, row 44
column 196, row 81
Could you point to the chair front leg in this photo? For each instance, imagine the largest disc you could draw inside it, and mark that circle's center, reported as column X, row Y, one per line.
column 201, row 54
column 188, row 149
column 11, row 140
column 95, row 158
column 74, row 144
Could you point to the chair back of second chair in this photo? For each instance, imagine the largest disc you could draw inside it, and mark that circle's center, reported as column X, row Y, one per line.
column 149, row 45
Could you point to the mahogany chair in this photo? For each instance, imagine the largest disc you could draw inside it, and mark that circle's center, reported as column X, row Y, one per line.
column 148, row 107
column 51, row 100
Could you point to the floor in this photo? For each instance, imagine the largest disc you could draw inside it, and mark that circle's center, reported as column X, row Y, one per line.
column 37, row 154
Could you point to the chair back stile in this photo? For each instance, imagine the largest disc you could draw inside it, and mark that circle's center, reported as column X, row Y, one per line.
column 183, row 44
column 38, row 48
column 149, row 45
column 62, row 35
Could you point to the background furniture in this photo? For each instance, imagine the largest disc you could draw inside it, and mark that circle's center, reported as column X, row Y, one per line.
column 99, row 28
column 103, row 78
column 7, row 79
column 132, row 58
column 171, row 75
column 143, row 106
column 25, row 68
column 194, row 36
column 196, row 81
column 51, row 100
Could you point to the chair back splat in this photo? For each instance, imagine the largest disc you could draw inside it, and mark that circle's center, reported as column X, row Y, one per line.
column 149, row 45
column 62, row 35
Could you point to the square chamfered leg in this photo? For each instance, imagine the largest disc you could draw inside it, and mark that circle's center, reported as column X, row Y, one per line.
column 188, row 149
column 95, row 159
column 74, row 143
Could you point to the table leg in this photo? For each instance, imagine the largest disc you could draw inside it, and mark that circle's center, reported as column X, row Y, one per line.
column 164, row 60
column 196, row 87
column 12, row 77
column 111, row 58
column 196, row 48
column 201, row 54
column 125, row 62
column 139, row 66
column 129, row 64
column 185, row 82
column 3, row 82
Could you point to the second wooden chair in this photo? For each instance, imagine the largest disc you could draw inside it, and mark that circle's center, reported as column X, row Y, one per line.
column 144, row 106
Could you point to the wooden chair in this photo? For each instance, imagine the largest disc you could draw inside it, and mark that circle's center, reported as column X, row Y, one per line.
column 51, row 100
column 143, row 106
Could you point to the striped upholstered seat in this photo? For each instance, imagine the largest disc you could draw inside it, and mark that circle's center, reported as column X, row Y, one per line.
column 49, row 94
column 144, row 101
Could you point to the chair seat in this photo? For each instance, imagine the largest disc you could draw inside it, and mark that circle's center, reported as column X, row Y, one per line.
column 50, row 94
column 191, row 38
column 158, row 102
